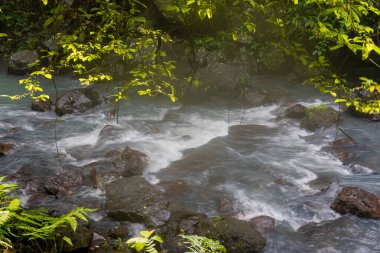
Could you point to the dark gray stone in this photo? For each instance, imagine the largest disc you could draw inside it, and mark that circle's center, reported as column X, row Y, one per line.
column 77, row 100
column 60, row 184
column 81, row 239
column 134, row 199
column 235, row 235
column 42, row 106
column 296, row 111
column 19, row 61
column 134, row 162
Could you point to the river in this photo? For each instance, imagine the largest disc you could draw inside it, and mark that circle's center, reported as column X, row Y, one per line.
column 206, row 155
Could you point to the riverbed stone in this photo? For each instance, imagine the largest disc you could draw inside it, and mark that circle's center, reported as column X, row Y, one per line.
column 319, row 117
column 6, row 148
column 133, row 199
column 41, row 105
column 236, row 235
column 81, row 238
column 19, row 61
column 264, row 224
column 253, row 98
column 134, row 162
column 61, row 183
column 354, row 200
column 77, row 100
column 296, row 111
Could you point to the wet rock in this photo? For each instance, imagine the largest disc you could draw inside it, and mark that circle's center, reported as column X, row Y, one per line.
column 176, row 187
column 345, row 157
column 353, row 200
column 345, row 142
column 343, row 149
column 226, row 207
column 181, row 221
column 319, row 117
column 321, row 183
column 119, row 232
column 77, row 100
column 19, row 61
column 263, row 224
column 62, row 183
column 235, row 235
column 109, row 132
column 81, row 239
column 134, row 162
column 134, row 199
column 6, row 148
column 296, row 111
column 253, row 98
column 42, row 106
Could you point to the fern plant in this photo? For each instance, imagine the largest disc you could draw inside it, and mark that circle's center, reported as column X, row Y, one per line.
column 147, row 243
column 201, row 244
column 36, row 226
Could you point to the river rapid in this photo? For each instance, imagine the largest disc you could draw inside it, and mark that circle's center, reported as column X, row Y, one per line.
column 215, row 159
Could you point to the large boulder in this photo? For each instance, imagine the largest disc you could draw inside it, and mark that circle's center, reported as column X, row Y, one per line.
column 19, row 61
column 353, row 200
column 61, row 183
column 6, row 148
column 133, row 199
column 319, row 117
column 296, row 111
column 77, row 100
column 235, row 235
column 253, row 98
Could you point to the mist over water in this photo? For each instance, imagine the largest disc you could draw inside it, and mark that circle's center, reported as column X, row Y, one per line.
column 206, row 155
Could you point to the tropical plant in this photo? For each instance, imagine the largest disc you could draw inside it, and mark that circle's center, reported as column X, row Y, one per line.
column 147, row 243
column 33, row 226
column 201, row 244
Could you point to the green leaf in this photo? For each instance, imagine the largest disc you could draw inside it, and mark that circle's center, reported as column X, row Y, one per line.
column 3, row 35
column 45, row 2
column 67, row 240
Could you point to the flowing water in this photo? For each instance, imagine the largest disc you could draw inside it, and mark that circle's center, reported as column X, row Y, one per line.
column 206, row 156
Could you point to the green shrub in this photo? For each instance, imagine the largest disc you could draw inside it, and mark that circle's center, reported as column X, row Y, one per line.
column 20, row 227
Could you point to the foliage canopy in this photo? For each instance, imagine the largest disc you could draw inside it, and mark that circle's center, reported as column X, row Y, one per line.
column 93, row 39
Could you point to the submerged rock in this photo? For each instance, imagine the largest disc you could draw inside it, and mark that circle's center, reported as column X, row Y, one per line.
column 77, row 100
column 319, row 117
column 353, row 200
column 235, row 235
column 134, row 199
column 6, row 148
column 19, row 61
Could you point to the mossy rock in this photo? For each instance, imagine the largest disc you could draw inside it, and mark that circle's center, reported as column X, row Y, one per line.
column 317, row 117
column 235, row 235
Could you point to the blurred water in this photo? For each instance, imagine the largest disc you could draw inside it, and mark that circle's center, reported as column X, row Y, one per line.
column 203, row 156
